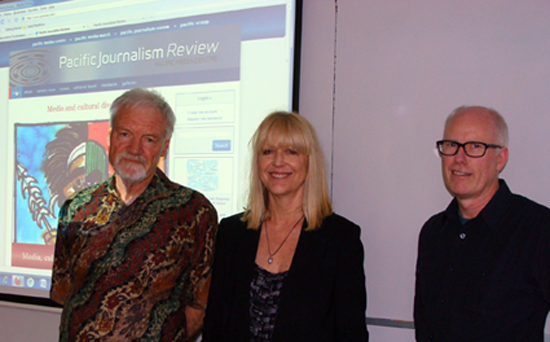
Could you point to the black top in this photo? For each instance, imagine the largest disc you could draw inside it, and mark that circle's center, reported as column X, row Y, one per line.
column 487, row 280
column 323, row 298
column 265, row 290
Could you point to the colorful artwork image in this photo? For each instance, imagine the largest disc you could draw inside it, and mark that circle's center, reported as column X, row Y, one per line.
column 52, row 162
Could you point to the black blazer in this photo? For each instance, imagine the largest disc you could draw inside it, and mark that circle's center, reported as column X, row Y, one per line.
column 323, row 297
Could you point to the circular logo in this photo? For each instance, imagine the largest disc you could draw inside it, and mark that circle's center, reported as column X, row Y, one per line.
column 30, row 282
column 29, row 68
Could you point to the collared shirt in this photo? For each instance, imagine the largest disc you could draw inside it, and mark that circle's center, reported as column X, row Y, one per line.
column 486, row 280
column 128, row 272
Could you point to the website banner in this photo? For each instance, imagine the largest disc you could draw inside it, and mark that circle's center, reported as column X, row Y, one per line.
column 202, row 51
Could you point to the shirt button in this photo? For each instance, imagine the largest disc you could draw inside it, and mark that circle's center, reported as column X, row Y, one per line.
column 462, row 236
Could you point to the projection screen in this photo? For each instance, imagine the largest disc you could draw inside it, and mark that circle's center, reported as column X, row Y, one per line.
column 222, row 65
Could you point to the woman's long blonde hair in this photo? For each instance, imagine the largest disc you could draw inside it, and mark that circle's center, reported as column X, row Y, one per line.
column 288, row 130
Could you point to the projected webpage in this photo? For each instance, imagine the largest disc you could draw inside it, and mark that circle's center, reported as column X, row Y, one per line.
column 221, row 72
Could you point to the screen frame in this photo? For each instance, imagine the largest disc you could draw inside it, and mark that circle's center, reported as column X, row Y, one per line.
column 31, row 299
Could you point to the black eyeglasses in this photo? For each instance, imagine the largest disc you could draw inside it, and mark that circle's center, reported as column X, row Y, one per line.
column 474, row 149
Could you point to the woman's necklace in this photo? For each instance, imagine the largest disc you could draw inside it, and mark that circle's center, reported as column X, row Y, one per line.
column 271, row 255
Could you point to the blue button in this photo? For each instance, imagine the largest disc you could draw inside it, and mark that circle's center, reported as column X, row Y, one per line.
column 221, row 145
column 16, row 93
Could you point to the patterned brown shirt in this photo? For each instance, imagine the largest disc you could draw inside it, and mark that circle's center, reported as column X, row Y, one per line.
column 128, row 272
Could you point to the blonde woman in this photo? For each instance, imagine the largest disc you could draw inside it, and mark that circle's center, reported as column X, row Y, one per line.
column 288, row 268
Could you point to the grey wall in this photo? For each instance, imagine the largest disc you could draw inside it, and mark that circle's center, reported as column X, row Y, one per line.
column 400, row 68
column 28, row 323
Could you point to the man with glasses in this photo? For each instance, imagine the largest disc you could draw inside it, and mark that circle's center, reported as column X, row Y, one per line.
column 483, row 268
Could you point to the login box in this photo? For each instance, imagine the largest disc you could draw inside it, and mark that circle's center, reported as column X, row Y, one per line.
column 203, row 140
column 206, row 107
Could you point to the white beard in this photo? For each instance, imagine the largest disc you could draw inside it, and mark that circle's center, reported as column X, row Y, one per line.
column 132, row 172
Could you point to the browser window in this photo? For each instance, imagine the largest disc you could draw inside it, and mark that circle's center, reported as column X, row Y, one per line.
column 222, row 66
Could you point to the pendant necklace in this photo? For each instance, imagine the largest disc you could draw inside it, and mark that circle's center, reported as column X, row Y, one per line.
column 271, row 255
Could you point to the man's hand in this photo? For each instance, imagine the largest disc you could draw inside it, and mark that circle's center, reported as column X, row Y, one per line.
column 194, row 319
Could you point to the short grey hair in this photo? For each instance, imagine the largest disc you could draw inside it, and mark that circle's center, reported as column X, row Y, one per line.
column 139, row 97
column 500, row 123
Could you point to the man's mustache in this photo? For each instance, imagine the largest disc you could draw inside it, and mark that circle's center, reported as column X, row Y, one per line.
column 134, row 157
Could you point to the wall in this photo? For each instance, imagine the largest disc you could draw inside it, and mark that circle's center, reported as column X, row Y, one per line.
column 400, row 68
column 15, row 319
column 378, row 79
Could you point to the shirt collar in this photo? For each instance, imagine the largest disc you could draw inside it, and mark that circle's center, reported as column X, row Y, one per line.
column 157, row 186
column 492, row 212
